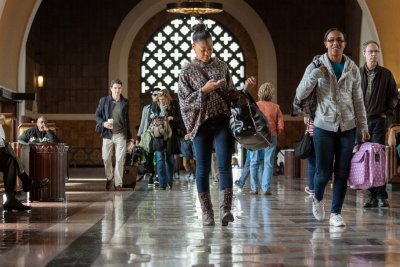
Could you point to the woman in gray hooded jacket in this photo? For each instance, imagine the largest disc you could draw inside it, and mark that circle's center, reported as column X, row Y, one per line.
column 340, row 109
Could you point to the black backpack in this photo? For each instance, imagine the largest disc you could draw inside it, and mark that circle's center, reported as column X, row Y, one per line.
column 308, row 105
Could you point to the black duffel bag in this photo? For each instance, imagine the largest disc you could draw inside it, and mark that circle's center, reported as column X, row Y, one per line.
column 248, row 124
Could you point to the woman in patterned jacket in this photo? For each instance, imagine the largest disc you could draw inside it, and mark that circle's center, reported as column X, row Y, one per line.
column 205, row 89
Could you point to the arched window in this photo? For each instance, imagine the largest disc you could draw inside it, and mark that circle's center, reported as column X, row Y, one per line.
column 171, row 45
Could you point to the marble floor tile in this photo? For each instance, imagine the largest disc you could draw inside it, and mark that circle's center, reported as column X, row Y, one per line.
column 150, row 227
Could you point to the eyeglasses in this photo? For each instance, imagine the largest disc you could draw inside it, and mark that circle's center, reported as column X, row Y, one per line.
column 338, row 40
column 370, row 52
column 155, row 94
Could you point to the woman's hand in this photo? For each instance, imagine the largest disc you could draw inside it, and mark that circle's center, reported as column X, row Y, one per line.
column 212, row 84
column 365, row 136
column 152, row 116
column 170, row 118
column 323, row 69
column 250, row 83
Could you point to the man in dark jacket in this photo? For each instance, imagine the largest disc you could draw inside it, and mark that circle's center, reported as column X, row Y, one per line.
column 380, row 99
column 38, row 134
column 112, row 115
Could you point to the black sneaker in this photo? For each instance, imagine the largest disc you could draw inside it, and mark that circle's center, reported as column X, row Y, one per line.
column 151, row 180
column 238, row 184
column 156, row 182
column 371, row 203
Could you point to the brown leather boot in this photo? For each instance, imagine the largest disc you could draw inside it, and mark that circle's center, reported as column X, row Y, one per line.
column 207, row 208
column 225, row 205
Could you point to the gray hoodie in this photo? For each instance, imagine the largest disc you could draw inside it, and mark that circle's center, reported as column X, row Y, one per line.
column 339, row 102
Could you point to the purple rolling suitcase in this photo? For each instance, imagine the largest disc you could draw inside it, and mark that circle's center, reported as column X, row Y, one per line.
column 368, row 167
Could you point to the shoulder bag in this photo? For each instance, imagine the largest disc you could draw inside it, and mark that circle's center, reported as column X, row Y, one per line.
column 303, row 147
column 248, row 124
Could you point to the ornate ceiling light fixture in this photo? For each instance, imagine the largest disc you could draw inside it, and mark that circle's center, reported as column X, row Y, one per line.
column 194, row 7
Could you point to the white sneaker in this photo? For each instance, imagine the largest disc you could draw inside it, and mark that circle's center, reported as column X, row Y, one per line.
column 337, row 220
column 318, row 209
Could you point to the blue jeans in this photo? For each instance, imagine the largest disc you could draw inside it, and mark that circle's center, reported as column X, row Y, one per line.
column 245, row 173
column 213, row 131
column 186, row 148
column 268, row 166
column 333, row 152
column 311, row 170
column 165, row 168
column 398, row 150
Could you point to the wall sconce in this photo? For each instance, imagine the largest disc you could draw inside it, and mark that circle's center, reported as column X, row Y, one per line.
column 40, row 80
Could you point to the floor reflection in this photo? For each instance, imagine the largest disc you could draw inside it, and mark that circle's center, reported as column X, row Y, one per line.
column 150, row 227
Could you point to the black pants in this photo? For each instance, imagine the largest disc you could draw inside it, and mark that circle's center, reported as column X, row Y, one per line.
column 377, row 131
column 150, row 162
column 9, row 167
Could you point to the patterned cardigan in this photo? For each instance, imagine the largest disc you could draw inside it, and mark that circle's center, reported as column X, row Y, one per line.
column 196, row 106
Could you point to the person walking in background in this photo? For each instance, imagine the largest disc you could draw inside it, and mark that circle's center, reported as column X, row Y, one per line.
column 273, row 114
column 113, row 114
column 166, row 147
column 205, row 89
column 311, row 158
column 189, row 162
column 339, row 109
column 144, row 125
column 245, row 172
column 380, row 99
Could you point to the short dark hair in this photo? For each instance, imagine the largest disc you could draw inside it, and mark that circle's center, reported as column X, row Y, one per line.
column 333, row 30
column 200, row 32
column 155, row 89
column 116, row 81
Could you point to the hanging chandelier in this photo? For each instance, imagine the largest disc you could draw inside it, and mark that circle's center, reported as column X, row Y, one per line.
column 194, row 7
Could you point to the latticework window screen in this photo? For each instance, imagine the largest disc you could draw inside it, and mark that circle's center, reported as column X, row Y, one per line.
column 171, row 45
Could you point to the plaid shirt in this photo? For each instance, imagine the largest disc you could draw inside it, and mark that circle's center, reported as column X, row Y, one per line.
column 196, row 106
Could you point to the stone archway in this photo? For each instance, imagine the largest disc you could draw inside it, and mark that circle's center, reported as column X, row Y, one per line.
column 127, row 40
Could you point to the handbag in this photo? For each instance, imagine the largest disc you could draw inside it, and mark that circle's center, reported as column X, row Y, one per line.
column 247, row 123
column 160, row 128
column 303, row 147
column 368, row 167
column 145, row 140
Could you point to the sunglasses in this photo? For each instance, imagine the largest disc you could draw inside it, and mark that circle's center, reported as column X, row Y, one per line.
column 155, row 94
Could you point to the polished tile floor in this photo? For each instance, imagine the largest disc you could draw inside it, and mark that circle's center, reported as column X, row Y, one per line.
column 148, row 227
